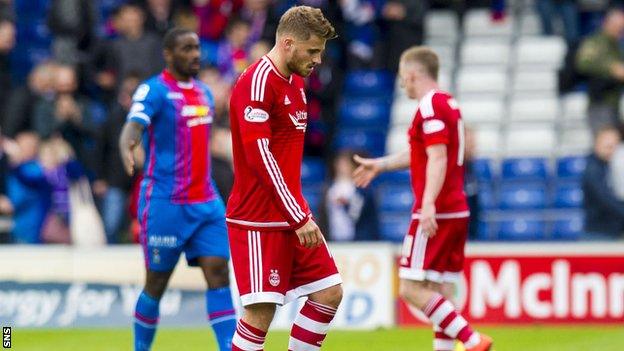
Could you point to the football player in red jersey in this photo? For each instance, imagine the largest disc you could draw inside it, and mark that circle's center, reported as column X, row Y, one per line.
column 433, row 251
column 278, row 251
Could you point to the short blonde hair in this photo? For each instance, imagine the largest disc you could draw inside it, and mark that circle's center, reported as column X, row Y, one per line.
column 424, row 56
column 302, row 21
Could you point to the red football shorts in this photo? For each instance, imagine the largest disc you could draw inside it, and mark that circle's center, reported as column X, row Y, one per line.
column 437, row 259
column 271, row 266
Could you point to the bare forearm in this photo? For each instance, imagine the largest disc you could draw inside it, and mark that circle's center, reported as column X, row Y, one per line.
column 130, row 136
column 436, row 174
column 395, row 162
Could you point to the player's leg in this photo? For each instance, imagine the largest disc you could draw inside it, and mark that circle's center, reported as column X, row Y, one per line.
column 161, row 256
column 262, row 265
column 208, row 248
column 315, row 275
column 219, row 306
column 441, row 341
column 425, row 258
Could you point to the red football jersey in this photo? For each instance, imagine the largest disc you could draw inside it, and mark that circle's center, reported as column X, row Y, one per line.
column 268, row 115
column 438, row 121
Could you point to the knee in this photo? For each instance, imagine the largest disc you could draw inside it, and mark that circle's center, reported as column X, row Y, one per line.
column 412, row 292
column 217, row 274
column 330, row 296
column 259, row 315
column 155, row 287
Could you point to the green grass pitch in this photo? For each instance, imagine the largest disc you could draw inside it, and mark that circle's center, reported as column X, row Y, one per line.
column 535, row 338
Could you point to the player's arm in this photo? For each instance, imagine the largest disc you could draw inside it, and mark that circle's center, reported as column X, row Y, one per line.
column 255, row 129
column 130, row 138
column 435, row 177
column 369, row 168
column 145, row 102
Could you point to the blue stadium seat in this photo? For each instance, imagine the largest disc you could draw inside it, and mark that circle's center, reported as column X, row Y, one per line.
column 364, row 113
column 531, row 168
column 522, row 196
column 482, row 168
column 395, row 198
column 518, row 227
column 568, row 227
column 372, row 141
column 368, row 83
column 31, row 7
column 487, row 197
column 396, row 177
column 393, row 227
column 568, row 195
column 312, row 170
column 313, row 195
column 486, row 230
column 571, row 166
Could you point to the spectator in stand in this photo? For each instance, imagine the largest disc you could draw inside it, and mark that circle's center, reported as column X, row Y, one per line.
column 347, row 213
column 113, row 184
column 214, row 16
column 360, row 18
column 159, row 17
column 68, row 116
column 23, row 101
column 30, row 199
column 604, row 213
column 72, row 23
column 7, row 42
column 135, row 50
column 232, row 56
column 601, row 60
column 255, row 12
column 221, row 91
column 402, row 27
column 568, row 13
column 6, row 206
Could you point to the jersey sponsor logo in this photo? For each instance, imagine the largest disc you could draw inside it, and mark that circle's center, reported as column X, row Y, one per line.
column 162, row 241
column 433, row 126
column 174, row 95
column 256, row 115
column 136, row 107
column 274, row 277
column 299, row 120
column 141, row 93
column 198, row 121
column 286, row 100
column 303, row 96
column 195, row 111
column 453, row 104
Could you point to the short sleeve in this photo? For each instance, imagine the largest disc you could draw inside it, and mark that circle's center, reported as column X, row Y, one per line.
column 145, row 102
column 254, row 112
column 434, row 127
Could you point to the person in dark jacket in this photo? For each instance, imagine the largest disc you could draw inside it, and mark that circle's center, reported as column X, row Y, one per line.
column 604, row 213
column 348, row 213
column 113, row 184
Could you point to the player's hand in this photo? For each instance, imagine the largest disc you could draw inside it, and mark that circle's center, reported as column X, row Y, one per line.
column 310, row 235
column 367, row 170
column 428, row 223
column 127, row 157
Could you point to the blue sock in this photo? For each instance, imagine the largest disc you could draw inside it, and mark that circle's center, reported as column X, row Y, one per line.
column 145, row 322
column 222, row 316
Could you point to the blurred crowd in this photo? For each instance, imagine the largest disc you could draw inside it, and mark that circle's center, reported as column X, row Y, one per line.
column 62, row 117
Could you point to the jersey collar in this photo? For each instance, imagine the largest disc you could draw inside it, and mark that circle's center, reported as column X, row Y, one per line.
column 182, row 85
column 267, row 59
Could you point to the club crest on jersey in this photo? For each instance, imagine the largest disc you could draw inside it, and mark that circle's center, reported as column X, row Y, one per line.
column 256, row 115
column 274, row 278
column 299, row 120
column 286, row 100
column 303, row 96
